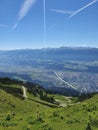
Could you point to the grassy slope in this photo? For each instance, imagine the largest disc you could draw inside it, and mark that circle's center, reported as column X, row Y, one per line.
column 19, row 114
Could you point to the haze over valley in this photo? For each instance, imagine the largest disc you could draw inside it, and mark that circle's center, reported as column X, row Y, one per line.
column 66, row 70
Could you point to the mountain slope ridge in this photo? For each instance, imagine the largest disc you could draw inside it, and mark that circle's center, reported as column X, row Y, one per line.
column 25, row 114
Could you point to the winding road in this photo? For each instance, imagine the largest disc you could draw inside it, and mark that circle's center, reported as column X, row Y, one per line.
column 24, row 92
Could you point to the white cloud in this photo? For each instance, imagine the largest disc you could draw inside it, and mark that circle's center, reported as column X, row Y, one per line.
column 84, row 7
column 26, row 6
column 62, row 11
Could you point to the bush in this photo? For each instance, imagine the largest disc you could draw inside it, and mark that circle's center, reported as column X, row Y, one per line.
column 8, row 117
column 56, row 114
column 7, row 124
column 47, row 127
column 26, row 128
column 88, row 126
column 40, row 119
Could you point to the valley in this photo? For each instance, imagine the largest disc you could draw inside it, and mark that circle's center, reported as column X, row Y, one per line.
column 77, row 68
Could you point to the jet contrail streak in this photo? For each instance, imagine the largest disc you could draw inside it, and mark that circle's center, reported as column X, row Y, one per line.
column 44, row 13
column 26, row 6
column 89, row 4
column 62, row 11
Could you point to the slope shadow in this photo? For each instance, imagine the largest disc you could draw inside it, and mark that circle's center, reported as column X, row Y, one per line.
column 43, row 103
column 16, row 92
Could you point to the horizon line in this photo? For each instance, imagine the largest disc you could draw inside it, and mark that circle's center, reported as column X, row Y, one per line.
column 48, row 48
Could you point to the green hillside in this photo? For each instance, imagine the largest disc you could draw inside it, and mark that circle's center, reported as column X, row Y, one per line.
column 43, row 111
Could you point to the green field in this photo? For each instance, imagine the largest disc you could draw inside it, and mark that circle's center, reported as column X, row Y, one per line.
column 32, row 113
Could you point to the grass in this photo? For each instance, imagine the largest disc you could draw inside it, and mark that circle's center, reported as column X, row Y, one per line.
column 35, row 114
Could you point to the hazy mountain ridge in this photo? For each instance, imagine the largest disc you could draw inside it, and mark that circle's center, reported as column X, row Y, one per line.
column 75, row 65
column 89, row 53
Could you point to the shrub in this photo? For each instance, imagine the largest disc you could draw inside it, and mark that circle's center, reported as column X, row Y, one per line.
column 40, row 119
column 8, row 117
column 88, row 126
column 56, row 114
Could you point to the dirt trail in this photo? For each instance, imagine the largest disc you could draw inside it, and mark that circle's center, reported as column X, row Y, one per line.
column 24, row 92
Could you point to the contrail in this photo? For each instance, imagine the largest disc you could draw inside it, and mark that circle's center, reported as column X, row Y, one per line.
column 15, row 26
column 89, row 4
column 62, row 11
column 26, row 6
column 44, row 13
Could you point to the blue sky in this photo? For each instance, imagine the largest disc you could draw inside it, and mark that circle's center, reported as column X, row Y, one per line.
column 24, row 24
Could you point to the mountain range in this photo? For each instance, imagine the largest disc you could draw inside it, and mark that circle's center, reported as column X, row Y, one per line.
column 65, row 70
